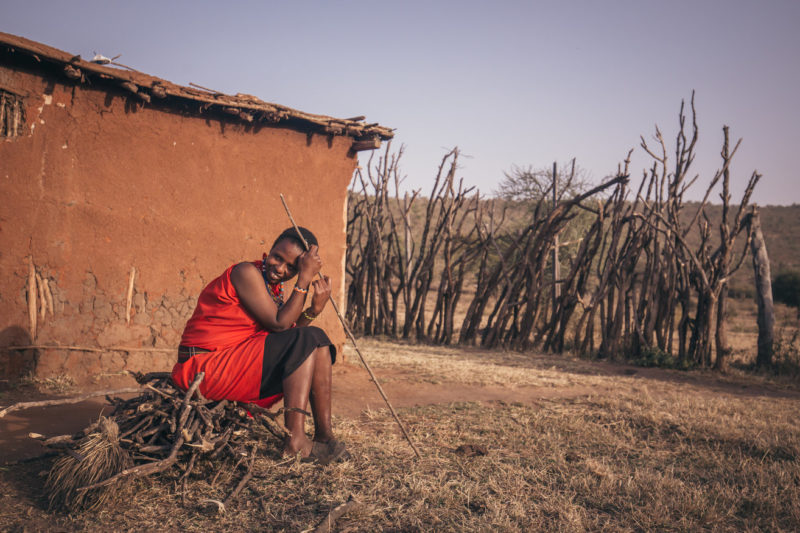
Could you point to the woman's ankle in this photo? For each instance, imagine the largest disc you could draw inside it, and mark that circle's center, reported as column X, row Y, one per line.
column 300, row 443
column 324, row 436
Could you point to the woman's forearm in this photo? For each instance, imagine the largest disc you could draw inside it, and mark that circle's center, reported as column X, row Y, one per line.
column 292, row 309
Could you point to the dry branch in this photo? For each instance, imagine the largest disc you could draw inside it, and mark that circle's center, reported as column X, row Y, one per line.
column 245, row 479
column 652, row 275
column 42, row 298
column 129, row 297
column 32, row 298
column 49, row 294
column 152, row 432
column 326, row 526
column 66, row 401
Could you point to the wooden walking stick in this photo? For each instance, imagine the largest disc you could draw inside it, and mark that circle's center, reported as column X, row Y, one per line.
column 353, row 340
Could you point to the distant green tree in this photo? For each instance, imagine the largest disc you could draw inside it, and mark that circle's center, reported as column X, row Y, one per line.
column 529, row 184
column 786, row 288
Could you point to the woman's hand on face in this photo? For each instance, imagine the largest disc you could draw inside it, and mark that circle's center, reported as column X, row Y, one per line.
column 322, row 291
column 309, row 264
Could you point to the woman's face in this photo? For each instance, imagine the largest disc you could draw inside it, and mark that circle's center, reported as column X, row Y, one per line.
column 282, row 261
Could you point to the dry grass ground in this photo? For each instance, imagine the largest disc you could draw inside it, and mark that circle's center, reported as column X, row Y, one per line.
column 655, row 450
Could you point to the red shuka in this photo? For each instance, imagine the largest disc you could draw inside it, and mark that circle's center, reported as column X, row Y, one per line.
column 234, row 364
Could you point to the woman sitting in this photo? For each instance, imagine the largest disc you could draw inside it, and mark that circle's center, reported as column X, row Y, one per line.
column 255, row 343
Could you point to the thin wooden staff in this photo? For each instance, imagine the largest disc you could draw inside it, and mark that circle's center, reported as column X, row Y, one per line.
column 353, row 340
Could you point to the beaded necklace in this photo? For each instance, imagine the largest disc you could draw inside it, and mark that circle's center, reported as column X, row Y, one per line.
column 275, row 291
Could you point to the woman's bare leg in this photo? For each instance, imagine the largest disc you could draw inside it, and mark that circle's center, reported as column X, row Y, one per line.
column 311, row 379
column 296, row 389
column 321, row 394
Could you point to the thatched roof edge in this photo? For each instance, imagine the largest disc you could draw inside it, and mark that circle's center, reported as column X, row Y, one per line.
column 147, row 89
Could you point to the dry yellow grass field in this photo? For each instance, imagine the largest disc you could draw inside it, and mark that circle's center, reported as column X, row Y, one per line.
column 628, row 450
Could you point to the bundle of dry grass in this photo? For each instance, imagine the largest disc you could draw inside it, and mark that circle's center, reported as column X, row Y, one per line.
column 148, row 434
column 94, row 457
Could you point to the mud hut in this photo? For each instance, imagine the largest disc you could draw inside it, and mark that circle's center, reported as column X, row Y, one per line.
column 124, row 194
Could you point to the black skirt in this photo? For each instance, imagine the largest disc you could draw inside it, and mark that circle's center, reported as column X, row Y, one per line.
column 285, row 351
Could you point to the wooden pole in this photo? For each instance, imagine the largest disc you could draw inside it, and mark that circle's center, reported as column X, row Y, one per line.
column 556, row 265
column 129, row 296
column 32, row 298
column 353, row 340
column 763, row 281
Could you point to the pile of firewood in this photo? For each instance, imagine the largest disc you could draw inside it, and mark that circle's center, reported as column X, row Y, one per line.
column 160, row 428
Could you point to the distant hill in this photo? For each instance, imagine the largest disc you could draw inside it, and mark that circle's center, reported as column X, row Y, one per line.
column 781, row 228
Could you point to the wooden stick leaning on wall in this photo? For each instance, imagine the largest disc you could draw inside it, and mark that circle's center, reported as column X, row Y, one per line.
column 353, row 340
column 32, row 298
column 49, row 296
column 42, row 297
column 129, row 296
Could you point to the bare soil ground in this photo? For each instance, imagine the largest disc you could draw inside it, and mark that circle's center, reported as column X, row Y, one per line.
column 571, row 445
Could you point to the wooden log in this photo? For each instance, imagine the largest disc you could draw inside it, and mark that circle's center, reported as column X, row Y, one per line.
column 366, row 144
column 187, row 405
column 72, row 72
column 158, row 91
column 59, row 441
column 129, row 86
column 763, row 281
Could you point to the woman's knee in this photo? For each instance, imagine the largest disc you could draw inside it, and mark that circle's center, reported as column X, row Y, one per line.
column 322, row 354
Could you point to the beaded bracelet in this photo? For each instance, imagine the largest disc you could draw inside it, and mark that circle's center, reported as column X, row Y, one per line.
column 301, row 291
column 307, row 316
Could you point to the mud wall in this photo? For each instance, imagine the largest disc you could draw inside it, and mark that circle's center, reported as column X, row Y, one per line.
column 98, row 184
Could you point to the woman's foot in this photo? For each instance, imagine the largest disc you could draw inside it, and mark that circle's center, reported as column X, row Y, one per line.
column 297, row 444
column 324, row 453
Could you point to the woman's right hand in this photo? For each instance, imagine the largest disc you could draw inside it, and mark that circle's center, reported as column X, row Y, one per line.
column 309, row 264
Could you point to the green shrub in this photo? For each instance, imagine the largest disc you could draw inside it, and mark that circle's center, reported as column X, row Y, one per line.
column 786, row 353
column 786, row 288
column 653, row 356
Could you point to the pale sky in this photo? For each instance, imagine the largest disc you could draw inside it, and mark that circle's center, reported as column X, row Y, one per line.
column 509, row 83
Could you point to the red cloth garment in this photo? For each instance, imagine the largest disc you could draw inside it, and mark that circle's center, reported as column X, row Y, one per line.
column 233, row 366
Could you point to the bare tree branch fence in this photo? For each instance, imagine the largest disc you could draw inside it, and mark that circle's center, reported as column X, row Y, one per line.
column 647, row 274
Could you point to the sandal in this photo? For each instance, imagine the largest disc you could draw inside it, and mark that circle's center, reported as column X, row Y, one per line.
column 325, row 453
